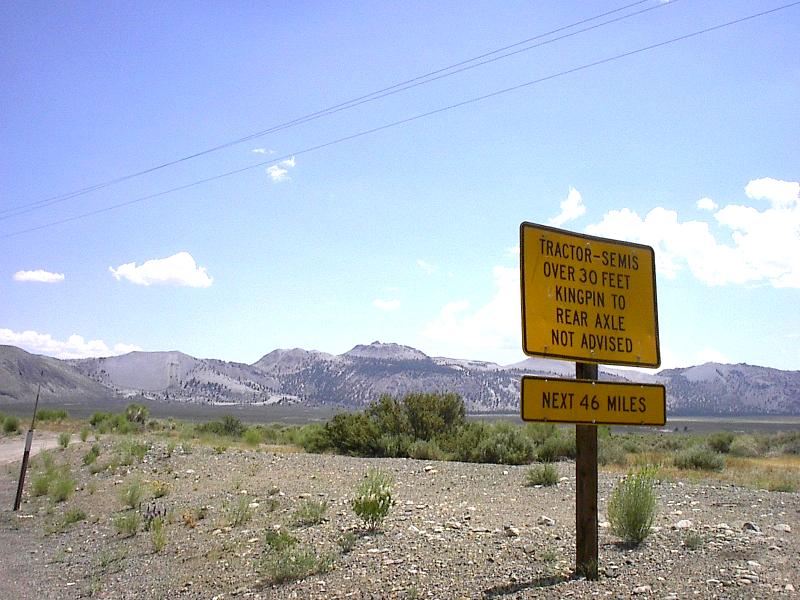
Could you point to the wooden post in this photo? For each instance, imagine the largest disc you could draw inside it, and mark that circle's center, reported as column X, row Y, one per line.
column 27, row 453
column 586, row 488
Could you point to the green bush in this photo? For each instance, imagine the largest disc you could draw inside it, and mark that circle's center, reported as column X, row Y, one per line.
column 137, row 413
column 127, row 524
column 393, row 445
column 292, row 564
column 52, row 414
column 556, row 447
column 279, row 540
column 373, row 498
column 463, row 444
column 131, row 493
column 158, row 537
column 252, row 437
column 354, row 434
column 506, row 444
column 425, row 450
column 430, row 415
column 545, row 475
column 632, row 506
column 11, row 424
column 700, row 458
column 63, row 439
column 239, row 512
column 91, row 456
column 61, row 487
column 310, row 512
column 540, row 432
column 721, row 441
column 610, row 452
column 744, row 445
column 228, row 426
column 84, row 434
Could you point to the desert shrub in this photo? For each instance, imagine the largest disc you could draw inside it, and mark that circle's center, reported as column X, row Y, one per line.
column 632, row 506
column 463, row 443
column 670, row 442
column 10, row 424
column 279, row 540
column 310, row 512
column 131, row 493
column 129, row 451
column 505, row 444
column 354, row 434
column 693, row 541
column 91, row 456
column 390, row 416
column 631, row 445
column 393, row 445
column 721, row 441
column 228, row 426
column 252, row 437
column 292, row 564
column 312, row 438
column 73, row 515
column 425, row 450
column 98, row 417
column 700, row 458
column 430, row 415
column 159, row 488
column 373, row 498
column 63, row 439
column 556, row 447
column 40, row 482
column 788, row 443
column 137, row 413
column 540, row 432
column 52, row 414
column 744, row 445
column 239, row 512
column 127, row 524
column 158, row 537
column 61, row 486
column 541, row 475
column 84, row 434
column 347, row 541
column 610, row 452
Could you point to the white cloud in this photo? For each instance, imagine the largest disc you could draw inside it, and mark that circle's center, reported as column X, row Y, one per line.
column 386, row 304
column 572, row 207
column 39, row 275
column 261, row 151
column 781, row 194
column 179, row 270
column 427, row 267
column 74, row 347
column 762, row 245
column 707, row 204
column 280, row 171
column 492, row 328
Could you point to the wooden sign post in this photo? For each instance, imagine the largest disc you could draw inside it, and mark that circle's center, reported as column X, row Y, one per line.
column 591, row 300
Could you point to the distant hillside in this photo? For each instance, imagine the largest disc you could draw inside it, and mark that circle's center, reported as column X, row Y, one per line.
column 22, row 372
column 742, row 389
column 359, row 376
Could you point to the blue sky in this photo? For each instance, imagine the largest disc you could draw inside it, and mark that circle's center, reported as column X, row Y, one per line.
column 408, row 234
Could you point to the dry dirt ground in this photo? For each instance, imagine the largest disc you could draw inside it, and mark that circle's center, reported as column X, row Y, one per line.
column 456, row 531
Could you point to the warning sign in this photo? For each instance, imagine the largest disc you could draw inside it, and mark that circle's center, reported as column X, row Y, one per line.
column 588, row 299
column 578, row 401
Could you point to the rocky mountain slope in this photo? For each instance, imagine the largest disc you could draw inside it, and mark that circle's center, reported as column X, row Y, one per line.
column 359, row 376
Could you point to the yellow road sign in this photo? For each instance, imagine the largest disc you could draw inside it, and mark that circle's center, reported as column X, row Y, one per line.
column 588, row 299
column 580, row 401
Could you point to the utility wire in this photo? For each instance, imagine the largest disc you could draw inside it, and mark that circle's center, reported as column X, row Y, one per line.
column 371, row 97
column 407, row 120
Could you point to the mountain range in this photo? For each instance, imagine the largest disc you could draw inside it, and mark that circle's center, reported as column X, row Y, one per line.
column 357, row 377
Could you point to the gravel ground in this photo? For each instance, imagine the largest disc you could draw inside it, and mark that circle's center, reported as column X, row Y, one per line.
column 457, row 531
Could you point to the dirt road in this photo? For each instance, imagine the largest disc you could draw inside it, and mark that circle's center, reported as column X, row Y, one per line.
column 11, row 448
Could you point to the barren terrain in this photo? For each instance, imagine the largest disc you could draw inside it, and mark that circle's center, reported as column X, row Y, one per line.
column 456, row 531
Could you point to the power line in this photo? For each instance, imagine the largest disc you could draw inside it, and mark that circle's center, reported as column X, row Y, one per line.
column 370, row 97
column 410, row 119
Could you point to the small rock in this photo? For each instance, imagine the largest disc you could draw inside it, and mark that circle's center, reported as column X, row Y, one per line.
column 782, row 527
column 683, row 524
column 545, row 520
column 642, row 589
column 750, row 526
column 511, row 531
column 788, row 587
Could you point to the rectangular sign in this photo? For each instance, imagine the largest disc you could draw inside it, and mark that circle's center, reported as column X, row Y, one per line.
column 601, row 403
column 588, row 299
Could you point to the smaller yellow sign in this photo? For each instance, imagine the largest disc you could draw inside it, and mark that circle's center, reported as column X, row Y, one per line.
column 596, row 402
